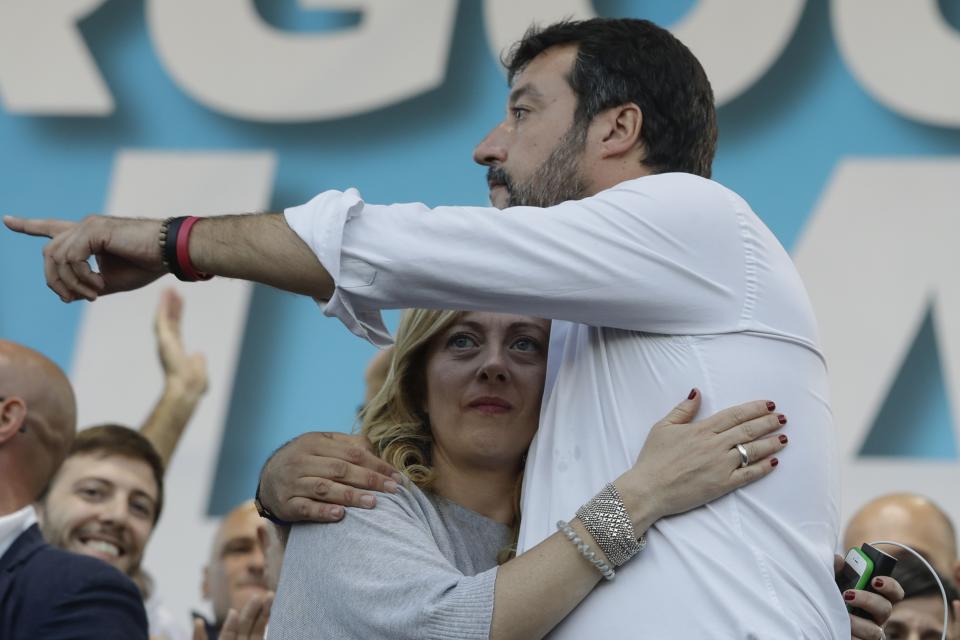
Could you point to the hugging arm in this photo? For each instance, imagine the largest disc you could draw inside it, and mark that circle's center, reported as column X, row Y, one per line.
column 386, row 556
column 681, row 466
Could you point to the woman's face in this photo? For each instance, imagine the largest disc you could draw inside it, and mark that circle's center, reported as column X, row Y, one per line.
column 484, row 384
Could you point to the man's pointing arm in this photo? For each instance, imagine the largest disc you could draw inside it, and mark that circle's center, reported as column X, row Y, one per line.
column 257, row 247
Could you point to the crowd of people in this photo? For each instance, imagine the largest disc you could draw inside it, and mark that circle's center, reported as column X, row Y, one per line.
column 531, row 458
column 98, row 495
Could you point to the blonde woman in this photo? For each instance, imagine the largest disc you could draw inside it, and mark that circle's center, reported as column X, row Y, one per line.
column 456, row 414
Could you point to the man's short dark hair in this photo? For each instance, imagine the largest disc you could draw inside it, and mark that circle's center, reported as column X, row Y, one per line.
column 918, row 582
column 116, row 440
column 624, row 60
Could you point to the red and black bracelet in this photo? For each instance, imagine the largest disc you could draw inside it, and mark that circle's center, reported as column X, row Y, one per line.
column 174, row 248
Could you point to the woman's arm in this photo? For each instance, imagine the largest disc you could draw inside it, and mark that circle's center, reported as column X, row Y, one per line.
column 384, row 573
column 681, row 466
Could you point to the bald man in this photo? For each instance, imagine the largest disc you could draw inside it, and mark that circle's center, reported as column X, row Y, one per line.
column 46, row 592
column 244, row 564
column 912, row 520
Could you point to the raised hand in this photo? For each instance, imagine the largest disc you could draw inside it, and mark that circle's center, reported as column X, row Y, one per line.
column 127, row 252
column 186, row 372
column 249, row 624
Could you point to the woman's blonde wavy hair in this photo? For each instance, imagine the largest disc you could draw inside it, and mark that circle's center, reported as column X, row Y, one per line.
column 394, row 420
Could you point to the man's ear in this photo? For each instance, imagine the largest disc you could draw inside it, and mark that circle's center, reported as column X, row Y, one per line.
column 956, row 574
column 13, row 415
column 618, row 130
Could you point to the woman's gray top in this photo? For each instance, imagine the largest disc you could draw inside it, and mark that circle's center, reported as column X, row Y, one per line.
column 416, row 566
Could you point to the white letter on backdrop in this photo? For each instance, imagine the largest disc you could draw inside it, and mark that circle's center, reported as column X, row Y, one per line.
column 45, row 66
column 736, row 41
column 904, row 54
column 877, row 252
column 115, row 370
column 224, row 55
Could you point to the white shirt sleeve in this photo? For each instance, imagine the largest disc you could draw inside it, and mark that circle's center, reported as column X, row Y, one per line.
column 662, row 254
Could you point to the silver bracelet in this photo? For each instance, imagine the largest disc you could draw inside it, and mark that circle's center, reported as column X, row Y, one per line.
column 585, row 550
column 606, row 519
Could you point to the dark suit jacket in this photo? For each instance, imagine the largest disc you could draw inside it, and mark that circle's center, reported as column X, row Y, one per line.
column 50, row 594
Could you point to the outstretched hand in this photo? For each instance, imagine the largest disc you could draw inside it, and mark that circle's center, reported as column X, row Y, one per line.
column 127, row 252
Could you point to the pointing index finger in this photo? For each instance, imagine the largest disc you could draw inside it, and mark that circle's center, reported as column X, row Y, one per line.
column 34, row 227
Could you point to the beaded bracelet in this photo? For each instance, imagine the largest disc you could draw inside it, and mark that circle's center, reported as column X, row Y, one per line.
column 585, row 550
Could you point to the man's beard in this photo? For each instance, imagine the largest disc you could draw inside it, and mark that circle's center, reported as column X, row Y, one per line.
column 557, row 180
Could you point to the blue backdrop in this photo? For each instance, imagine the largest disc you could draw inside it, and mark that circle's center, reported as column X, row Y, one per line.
column 779, row 143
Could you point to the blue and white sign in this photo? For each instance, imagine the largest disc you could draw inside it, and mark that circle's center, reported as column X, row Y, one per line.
column 839, row 123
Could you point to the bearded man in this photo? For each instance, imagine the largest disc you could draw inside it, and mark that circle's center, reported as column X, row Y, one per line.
column 657, row 278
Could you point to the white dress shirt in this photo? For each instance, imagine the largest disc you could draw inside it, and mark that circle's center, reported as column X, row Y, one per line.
column 657, row 285
column 13, row 525
column 161, row 621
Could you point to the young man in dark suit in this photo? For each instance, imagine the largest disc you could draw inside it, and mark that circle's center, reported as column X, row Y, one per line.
column 46, row 592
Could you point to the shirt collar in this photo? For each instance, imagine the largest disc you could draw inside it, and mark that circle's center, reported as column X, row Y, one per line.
column 14, row 524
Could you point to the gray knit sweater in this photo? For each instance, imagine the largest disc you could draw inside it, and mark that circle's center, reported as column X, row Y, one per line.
column 416, row 566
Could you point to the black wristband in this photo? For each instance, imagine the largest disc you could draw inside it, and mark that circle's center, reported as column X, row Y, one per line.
column 265, row 512
column 170, row 247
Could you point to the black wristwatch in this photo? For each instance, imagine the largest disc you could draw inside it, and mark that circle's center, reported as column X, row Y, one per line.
column 266, row 513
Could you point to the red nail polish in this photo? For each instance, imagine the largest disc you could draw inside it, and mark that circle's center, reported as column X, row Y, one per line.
column 774, row 462
column 878, row 583
column 771, row 405
column 849, row 595
column 782, row 419
column 693, row 394
column 783, row 439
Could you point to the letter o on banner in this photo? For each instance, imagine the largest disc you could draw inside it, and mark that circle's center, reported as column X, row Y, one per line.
column 878, row 42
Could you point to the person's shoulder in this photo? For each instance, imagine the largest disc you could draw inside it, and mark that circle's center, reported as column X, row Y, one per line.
column 679, row 190
column 68, row 572
column 57, row 589
column 409, row 505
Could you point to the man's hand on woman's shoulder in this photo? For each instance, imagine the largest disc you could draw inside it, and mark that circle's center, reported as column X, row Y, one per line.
column 315, row 475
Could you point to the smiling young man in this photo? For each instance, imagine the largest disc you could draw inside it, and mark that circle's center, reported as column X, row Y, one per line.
column 657, row 278
column 106, row 498
column 104, row 502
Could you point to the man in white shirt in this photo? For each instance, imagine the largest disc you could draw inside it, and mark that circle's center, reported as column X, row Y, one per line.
column 658, row 280
column 46, row 592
